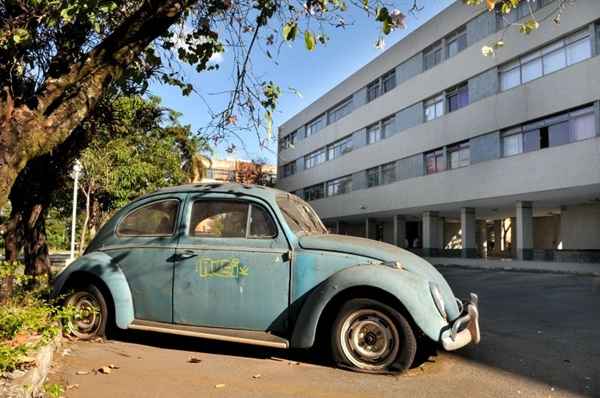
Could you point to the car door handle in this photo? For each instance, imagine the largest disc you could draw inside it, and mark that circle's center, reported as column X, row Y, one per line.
column 186, row 254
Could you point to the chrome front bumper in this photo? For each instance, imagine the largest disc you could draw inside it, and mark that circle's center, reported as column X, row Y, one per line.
column 465, row 329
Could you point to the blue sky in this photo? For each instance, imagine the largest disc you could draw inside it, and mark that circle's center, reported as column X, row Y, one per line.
column 311, row 73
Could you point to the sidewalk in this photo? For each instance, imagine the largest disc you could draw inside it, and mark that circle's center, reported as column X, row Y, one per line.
column 592, row 269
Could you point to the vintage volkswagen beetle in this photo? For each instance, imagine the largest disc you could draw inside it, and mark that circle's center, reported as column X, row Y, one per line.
column 256, row 265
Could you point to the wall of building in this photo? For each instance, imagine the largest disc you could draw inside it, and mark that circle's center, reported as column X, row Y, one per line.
column 546, row 232
column 580, row 227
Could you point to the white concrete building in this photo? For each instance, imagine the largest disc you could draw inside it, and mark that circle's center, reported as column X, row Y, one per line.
column 432, row 145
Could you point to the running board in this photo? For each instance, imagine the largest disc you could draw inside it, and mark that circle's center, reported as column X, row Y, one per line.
column 232, row 335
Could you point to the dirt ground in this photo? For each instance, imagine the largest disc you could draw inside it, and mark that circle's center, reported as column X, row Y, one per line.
column 539, row 339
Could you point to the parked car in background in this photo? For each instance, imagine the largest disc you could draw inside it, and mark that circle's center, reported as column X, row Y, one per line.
column 256, row 265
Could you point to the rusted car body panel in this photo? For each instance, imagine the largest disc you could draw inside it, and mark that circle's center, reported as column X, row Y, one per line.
column 279, row 285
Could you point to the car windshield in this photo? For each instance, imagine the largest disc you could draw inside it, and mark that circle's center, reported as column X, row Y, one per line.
column 301, row 218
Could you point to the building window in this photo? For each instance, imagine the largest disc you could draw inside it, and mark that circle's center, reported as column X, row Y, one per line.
column 510, row 76
column 373, row 133
column 314, row 126
column 434, row 161
column 289, row 169
column 388, row 81
column 566, row 52
column 434, row 108
column 388, row 126
column 288, row 141
column 583, row 124
column 373, row 177
column 339, row 186
column 340, row 111
column 456, row 42
column 339, row 148
column 315, row 158
column 373, row 90
column 557, row 130
column 314, row 192
column 432, row 56
column 459, row 155
column 521, row 11
column 388, row 173
column 458, row 97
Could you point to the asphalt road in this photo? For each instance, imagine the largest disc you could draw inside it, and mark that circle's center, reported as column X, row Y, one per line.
column 540, row 337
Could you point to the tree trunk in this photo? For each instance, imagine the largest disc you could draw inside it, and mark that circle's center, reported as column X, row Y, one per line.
column 64, row 101
column 12, row 248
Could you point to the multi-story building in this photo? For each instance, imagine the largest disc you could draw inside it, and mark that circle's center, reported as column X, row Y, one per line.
column 433, row 145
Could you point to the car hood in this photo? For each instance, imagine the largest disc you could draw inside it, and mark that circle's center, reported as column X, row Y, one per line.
column 384, row 252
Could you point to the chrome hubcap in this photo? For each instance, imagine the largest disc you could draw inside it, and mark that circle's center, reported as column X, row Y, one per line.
column 369, row 339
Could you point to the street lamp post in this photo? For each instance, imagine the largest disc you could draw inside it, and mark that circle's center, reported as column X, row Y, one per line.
column 75, row 175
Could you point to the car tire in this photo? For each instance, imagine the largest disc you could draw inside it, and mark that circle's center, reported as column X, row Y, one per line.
column 370, row 336
column 93, row 318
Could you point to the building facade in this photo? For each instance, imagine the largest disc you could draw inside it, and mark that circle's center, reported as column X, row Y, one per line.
column 434, row 147
column 242, row 171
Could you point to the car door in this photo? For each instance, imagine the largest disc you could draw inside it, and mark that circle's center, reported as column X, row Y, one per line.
column 233, row 265
column 143, row 248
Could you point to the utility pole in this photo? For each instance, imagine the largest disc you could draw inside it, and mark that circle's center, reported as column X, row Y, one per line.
column 75, row 175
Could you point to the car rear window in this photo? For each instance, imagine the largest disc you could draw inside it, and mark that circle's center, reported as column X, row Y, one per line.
column 156, row 219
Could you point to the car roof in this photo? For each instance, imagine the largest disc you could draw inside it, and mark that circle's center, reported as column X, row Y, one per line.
column 260, row 191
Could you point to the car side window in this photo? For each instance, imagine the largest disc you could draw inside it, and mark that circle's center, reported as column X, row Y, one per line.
column 230, row 219
column 156, row 219
column 261, row 223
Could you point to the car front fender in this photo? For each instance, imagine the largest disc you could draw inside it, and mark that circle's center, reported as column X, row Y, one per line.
column 101, row 266
column 410, row 289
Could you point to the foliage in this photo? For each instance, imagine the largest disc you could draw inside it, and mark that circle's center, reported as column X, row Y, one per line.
column 530, row 24
column 54, row 390
column 135, row 152
column 27, row 319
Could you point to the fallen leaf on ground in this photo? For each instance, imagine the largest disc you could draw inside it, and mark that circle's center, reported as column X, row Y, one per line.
column 219, row 385
column 98, row 340
column 194, row 360
column 256, row 376
column 105, row 369
column 293, row 363
column 82, row 372
column 71, row 386
column 113, row 366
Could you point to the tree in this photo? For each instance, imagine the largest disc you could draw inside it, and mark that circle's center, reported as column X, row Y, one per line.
column 135, row 154
column 58, row 57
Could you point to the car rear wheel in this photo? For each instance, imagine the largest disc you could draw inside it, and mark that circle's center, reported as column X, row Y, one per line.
column 370, row 336
column 91, row 313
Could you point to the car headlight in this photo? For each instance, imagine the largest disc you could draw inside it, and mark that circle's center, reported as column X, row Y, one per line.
column 438, row 299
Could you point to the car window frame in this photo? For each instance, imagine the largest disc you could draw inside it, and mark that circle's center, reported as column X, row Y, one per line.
column 148, row 204
column 188, row 221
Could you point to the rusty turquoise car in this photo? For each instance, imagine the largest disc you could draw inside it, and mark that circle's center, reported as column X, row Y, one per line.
column 255, row 265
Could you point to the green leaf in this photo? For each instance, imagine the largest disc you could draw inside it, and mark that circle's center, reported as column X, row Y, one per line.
column 382, row 14
column 20, row 35
column 309, row 40
column 290, row 30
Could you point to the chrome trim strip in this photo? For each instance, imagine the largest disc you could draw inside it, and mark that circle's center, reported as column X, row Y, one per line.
column 194, row 247
column 211, row 336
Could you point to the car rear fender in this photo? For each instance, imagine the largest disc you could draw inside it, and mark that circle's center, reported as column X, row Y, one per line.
column 101, row 266
column 411, row 290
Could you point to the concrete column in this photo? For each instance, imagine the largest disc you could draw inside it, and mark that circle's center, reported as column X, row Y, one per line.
column 370, row 228
column 524, row 231
column 431, row 238
column 513, row 237
column 399, row 225
column 482, row 237
column 337, row 227
column 467, row 225
column 497, row 237
column 441, row 225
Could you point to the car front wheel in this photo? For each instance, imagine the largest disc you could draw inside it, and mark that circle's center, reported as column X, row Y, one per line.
column 91, row 313
column 370, row 336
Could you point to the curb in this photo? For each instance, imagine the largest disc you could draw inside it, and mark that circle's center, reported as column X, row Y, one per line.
column 519, row 269
column 30, row 383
